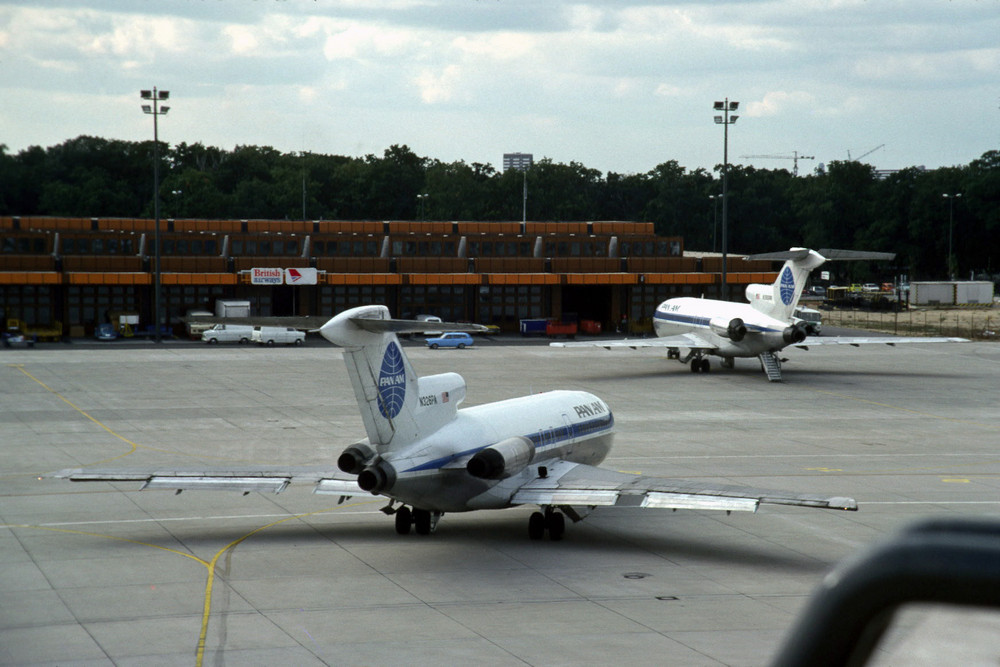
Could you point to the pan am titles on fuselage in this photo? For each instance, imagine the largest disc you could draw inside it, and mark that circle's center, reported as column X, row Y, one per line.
column 428, row 457
column 760, row 328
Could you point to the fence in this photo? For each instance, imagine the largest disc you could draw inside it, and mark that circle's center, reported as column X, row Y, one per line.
column 981, row 324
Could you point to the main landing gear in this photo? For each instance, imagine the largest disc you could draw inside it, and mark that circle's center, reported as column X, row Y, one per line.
column 424, row 521
column 552, row 521
column 700, row 365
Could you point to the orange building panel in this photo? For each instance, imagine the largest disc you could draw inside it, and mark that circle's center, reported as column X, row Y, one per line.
column 30, row 278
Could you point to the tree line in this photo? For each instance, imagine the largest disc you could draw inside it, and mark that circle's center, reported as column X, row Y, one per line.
column 846, row 204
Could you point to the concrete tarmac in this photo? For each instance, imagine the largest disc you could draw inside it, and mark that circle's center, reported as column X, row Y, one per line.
column 99, row 574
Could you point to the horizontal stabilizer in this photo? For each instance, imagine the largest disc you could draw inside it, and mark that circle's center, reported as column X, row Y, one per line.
column 783, row 255
column 845, row 255
column 376, row 325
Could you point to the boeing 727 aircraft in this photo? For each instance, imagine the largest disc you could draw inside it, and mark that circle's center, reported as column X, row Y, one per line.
column 760, row 328
column 428, row 457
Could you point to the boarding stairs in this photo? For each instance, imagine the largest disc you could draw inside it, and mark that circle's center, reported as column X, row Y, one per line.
column 771, row 366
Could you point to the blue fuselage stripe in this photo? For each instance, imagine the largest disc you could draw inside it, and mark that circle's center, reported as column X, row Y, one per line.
column 694, row 320
column 542, row 440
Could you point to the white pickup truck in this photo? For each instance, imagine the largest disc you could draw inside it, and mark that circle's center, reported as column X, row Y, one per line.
column 272, row 335
column 228, row 333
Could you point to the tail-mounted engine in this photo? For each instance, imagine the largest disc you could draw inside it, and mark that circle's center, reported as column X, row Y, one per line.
column 502, row 460
column 793, row 334
column 734, row 329
column 377, row 478
column 355, row 457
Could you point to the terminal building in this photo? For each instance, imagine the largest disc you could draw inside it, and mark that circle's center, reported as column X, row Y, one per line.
column 72, row 274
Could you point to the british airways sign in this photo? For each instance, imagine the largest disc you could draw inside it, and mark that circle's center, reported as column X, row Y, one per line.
column 278, row 276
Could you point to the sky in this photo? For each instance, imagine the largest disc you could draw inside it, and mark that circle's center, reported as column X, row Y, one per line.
column 618, row 86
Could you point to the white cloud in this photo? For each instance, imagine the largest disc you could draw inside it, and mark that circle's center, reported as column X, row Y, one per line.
column 778, row 102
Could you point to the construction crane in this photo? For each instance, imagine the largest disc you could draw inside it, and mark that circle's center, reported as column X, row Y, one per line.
column 849, row 159
column 794, row 156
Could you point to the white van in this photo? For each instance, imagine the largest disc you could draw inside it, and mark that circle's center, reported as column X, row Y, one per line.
column 812, row 320
column 228, row 333
column 272, row 335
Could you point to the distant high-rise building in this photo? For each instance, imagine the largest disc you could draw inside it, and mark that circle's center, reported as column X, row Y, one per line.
column 519, row 161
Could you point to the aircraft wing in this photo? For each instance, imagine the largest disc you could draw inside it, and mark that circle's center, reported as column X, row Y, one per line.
column 244, row 479
column 874, row 340
column 583, row 485
column 688, row 340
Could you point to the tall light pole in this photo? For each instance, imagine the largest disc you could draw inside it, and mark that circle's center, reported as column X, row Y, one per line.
column 422, row 198
column 156, row 96
column 725, row 120
column 715, row 224
column 951, row 224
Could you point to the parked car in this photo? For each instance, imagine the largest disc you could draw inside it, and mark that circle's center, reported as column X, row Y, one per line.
column 450, row 339
column 228, row 333
column 272, row 335
column 105, row 331
column 17, row 339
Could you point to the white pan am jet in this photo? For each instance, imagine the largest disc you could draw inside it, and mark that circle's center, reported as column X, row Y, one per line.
column 760, row 328
column 428, row 457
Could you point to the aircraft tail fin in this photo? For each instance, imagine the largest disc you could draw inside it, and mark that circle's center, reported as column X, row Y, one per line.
column 397, row 407
column 780, row 298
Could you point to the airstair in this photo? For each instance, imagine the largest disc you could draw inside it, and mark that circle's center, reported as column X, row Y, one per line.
column 771, row 365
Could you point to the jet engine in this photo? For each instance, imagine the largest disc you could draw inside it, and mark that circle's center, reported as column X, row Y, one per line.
column 793, row 334
column 502, row 460
column 733, row 329
column 353, row 459
column 377, row 478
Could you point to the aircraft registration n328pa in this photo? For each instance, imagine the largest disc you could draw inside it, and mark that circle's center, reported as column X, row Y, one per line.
column 760, row 328
column 428, row 457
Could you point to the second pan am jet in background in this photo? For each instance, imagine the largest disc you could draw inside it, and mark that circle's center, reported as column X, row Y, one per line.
column 428, row 457
column 760, row 328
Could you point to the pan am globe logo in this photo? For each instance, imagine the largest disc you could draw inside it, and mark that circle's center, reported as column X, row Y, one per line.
column 787, row 286
column 391, row 382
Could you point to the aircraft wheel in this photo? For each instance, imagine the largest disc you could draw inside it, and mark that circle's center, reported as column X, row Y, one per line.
column 536, row 526
column 556, row 523
column 705, row 366
column 695, row 365
column 404, row 519
column 422, row 521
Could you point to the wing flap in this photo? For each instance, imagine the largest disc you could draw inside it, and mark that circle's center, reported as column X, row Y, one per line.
column 876, row 340
column 243, row 479
column 583, row 485
column 690, row 341
column 241, row 484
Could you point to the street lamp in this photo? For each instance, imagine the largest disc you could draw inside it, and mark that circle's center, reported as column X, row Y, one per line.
column 156, row 96
column 951, row 223
column 725, row 120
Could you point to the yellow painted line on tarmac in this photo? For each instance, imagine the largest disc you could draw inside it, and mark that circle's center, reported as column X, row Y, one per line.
column 132, row 445
column 208, row 564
